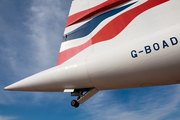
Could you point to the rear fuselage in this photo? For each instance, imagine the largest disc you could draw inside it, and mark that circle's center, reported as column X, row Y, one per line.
column 129, row 44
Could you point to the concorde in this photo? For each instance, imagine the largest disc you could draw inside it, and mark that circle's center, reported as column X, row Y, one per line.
column 113, row 44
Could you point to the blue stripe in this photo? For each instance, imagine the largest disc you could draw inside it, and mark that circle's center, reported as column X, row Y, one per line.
column 88, row 27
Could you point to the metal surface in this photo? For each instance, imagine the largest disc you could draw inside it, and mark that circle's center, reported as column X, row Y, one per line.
column 137, row 46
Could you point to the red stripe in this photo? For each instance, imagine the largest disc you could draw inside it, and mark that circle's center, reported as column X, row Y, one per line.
column 67, row 54
column 116, row 26
column 93, row 11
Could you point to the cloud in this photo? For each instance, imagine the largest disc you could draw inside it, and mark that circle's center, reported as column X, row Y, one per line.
column 6, row 118
column 6, row 98
column 47, row 23
column 30, row 42
column 32, row 98
column 34, row 48
column 152, row 103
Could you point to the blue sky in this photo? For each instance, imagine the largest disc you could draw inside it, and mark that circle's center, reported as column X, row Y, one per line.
column 30, row 37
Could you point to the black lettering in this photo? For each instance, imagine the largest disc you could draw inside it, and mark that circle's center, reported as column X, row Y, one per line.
column 174, row 40
column 147, row 49
column 156, row 46
column 165, row 44
column 134, row 54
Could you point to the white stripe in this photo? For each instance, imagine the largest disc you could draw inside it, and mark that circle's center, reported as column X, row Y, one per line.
column 75, row 26
column 79, row 41
column 81, row 5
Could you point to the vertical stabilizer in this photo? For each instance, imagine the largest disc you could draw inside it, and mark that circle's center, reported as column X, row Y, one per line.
column 84, row 17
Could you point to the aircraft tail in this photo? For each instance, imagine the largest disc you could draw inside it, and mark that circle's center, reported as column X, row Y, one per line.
column 79, row 25
column 94, row 21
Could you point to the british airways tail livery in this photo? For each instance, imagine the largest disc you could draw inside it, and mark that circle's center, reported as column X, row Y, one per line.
column 113, row 44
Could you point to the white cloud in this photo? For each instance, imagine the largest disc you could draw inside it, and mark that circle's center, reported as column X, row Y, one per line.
column 6, row 118
column 156, row 104
column 32, row 98
column 47, row 24
column 6, row 98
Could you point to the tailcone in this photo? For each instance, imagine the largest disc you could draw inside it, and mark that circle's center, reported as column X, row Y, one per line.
column 8, row 88
column 55, row 79
column 16, row 87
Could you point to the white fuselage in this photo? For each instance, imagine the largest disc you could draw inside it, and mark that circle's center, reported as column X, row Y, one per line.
column 145, row 53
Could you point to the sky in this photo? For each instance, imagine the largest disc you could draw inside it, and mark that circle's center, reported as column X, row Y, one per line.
column 30, row 36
